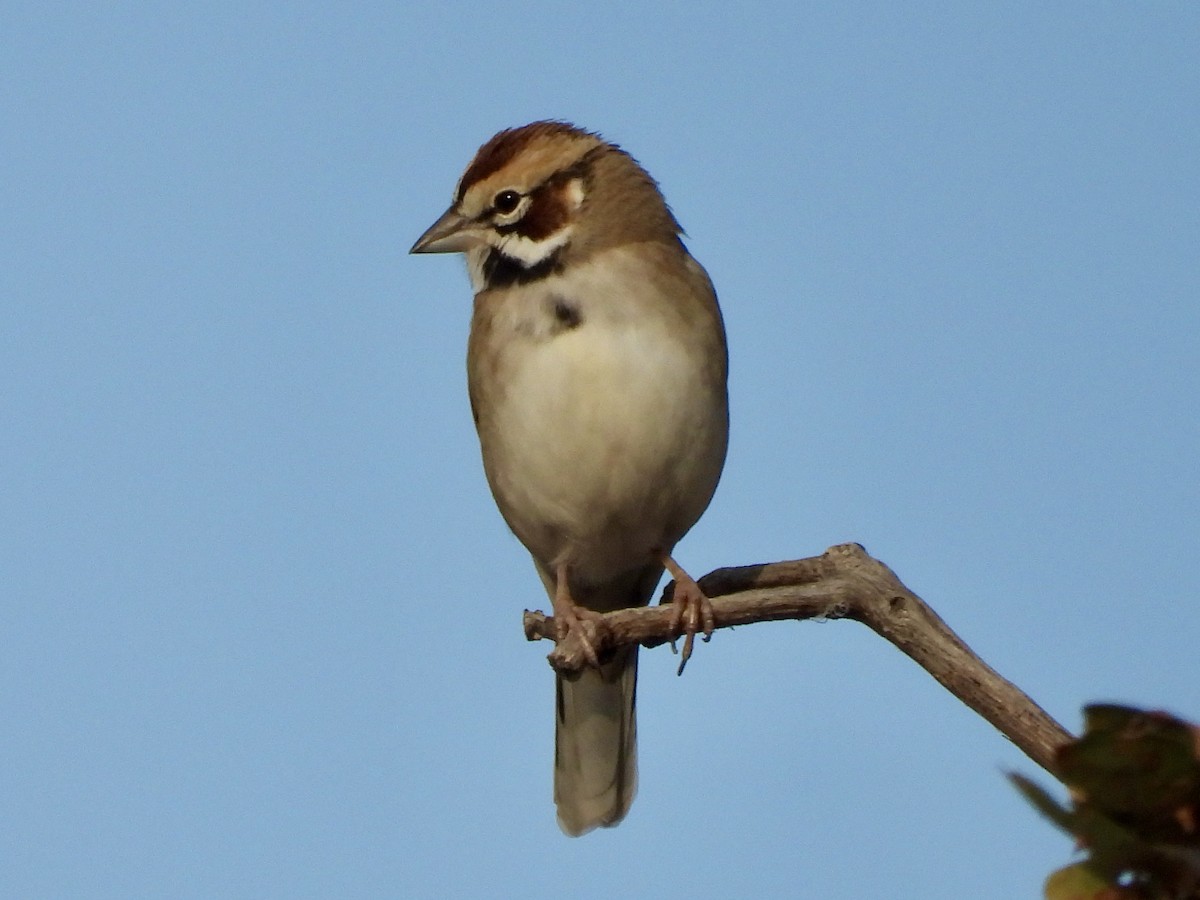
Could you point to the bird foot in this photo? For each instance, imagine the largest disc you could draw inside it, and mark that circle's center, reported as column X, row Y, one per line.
column 691, row 612
column 580, row 624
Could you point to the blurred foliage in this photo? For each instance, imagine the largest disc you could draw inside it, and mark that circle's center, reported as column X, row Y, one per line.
column 1134, row 780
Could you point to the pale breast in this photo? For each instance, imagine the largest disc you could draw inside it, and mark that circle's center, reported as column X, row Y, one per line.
column 602, row 425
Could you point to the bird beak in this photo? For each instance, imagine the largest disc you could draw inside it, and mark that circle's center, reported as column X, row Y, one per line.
column 452, row 233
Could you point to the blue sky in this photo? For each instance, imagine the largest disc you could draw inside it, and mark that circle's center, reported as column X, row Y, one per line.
column 261, row 621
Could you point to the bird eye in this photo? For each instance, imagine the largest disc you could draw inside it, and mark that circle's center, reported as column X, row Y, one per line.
column 506, row 201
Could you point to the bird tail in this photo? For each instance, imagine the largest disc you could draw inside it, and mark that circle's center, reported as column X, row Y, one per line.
column 595, row 745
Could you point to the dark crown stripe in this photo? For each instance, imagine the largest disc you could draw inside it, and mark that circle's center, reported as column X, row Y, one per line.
column 503, row 148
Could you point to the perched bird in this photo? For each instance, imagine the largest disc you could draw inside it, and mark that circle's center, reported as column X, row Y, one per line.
column 597, row 368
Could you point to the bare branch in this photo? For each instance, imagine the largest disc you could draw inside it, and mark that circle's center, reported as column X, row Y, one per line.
column 843, row 583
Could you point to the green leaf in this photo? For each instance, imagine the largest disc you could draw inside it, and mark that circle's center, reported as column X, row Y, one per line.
column 1044, row 803
column 1079, row 882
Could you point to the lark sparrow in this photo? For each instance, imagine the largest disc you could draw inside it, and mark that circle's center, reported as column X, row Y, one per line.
column 596, row 367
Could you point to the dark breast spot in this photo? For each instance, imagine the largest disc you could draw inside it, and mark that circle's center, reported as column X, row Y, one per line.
column 567, row 315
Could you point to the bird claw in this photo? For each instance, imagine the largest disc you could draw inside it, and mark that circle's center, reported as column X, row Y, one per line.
column 691, row 614
column 580, row 622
